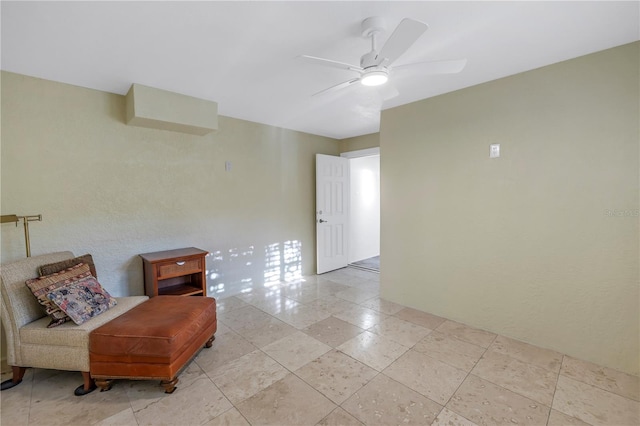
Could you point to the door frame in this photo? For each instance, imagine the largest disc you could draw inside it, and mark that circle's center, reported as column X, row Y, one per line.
column 368, row 152
column 359, row 153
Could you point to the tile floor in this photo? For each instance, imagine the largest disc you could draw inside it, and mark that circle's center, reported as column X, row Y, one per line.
column 328, row 351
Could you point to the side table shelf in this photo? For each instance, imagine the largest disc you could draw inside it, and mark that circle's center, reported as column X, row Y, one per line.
column 179, row 272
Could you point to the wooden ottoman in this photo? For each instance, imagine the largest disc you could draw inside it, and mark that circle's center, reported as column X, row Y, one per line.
column 154, row 340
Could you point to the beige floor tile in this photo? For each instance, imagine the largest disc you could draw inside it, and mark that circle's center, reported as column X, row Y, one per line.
column 144, row 393
column 381, row 305
column 227, row 347
column 420, row 318
column 308, row 292
column 356, row 295
column 341, row 277
column 332, row 304
column 585, row 394
column 230, row 417
column 525, row 379
column 266, row 332
column 229, row 304
column 247, row 375
column 296, row 350
column 303, row 293
column 194, row 389
column 179, row 407
column 545, row 358
column 360, row 316
column 484, row 403
column 336, row 375
column 256, row 294
column 367, row 285
column 246, row 317
column 375, row 351
column 53, row 402
column 594, row 405
column 384, row 401
column 556, row 418
column 428, row 376
column 16, row 401
column 449, row 418
column 274, row 305
column 403, row 332
column 123, row 418
column 339, row 417
column 332, row 331
column 289, row 401
column 328, row 287
column 41, row 374
column 602, row 377
column 466, row 333
column 221, row 328
column 302, row 316
column 361, row 273
column 310, row 279
column 448, row 349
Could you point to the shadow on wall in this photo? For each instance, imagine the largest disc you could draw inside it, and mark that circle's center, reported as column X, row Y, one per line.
column 239, row 269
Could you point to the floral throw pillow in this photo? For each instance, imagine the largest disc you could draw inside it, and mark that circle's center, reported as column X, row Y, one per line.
column 42, row 286
column 82, row 299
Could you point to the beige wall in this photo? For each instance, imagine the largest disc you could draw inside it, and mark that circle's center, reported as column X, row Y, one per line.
column 115, row 191
column 540, row 244
column 356, row 143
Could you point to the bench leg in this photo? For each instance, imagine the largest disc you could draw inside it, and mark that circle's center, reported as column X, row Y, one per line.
column 18, row 374
column 104, row 384
column 169, row 385
column 210, row 342
column 88, row 386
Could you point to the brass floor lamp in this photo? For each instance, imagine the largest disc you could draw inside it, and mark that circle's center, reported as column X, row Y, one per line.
column 26, row 219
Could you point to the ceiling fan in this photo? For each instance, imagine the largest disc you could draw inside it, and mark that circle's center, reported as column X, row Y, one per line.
column 375, row 66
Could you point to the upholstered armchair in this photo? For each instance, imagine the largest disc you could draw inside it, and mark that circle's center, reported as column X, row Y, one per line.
column 29, row 342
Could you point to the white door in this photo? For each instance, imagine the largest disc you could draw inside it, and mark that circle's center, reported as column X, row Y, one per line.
column 332, row 197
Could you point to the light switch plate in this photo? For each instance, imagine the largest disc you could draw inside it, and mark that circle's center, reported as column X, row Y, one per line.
column 494, row 150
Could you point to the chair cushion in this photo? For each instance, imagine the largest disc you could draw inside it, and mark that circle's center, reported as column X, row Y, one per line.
column 70, row 334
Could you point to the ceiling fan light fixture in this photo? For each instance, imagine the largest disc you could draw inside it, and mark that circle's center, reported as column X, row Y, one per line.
column 374, row 78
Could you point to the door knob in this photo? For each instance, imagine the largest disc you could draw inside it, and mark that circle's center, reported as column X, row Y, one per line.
column 322, row 221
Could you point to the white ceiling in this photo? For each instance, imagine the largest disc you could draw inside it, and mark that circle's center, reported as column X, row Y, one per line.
column 243, row 54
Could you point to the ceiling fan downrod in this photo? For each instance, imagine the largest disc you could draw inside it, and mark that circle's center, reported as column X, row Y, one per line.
column 375, row 72
column 371, row 27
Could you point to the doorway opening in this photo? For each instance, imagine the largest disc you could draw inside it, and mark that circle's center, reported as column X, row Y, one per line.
column 364, row 209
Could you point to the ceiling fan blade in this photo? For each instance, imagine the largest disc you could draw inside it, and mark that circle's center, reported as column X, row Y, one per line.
column 329, row 63
column 405, row 34
column 337, row 87
column 433, row 67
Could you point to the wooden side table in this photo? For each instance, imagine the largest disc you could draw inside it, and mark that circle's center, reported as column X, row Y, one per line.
column 180, row 272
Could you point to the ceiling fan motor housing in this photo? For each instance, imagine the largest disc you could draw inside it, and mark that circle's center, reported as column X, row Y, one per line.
column 369, row 60
column 374, row 76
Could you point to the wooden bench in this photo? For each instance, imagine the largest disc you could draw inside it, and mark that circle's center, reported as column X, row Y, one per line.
column 154, row 340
